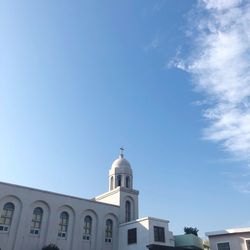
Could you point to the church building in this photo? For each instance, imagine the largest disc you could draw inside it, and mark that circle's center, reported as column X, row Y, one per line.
column 31, row 219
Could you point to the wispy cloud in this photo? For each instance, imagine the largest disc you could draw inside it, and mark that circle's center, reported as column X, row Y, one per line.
column 220, row 66
column 158, row 6
column 243, row 187
column 154, row 44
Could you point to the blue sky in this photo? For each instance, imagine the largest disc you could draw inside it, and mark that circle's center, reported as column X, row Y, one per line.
column 168, row 80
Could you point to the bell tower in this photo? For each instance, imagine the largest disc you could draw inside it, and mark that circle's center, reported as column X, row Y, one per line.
column 121, row 190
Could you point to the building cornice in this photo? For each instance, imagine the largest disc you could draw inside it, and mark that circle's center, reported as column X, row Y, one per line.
column 229, row 231
column 116, row 190
column 54, row 193
column 144, row 219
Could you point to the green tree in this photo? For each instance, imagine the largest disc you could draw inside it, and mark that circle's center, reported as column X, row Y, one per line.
column 191, row 230
column 51, row 247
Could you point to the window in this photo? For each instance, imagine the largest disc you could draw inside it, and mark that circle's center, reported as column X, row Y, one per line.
column 223, row 246
column 111, row 182
column 127, row 182
column 6, row 217
column 36, row 221
column 248, row 244
column 109, row 231
column 132, row 236
column 87, row 228
column 159, row 234
column 119, row 180
column 63, row 225
column 128, row 211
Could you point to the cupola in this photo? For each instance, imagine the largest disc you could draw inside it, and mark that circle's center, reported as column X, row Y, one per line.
column 120, row 174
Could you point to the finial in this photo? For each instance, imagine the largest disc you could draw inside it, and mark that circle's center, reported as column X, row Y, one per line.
column 121, row 152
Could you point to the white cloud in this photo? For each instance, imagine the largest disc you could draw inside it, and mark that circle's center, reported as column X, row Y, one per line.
column 221, row 4
column 220, row 66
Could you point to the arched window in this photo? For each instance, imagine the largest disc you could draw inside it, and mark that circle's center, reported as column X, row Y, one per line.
column 109, row 231
column 111, row 182
column 87, row 227
column 127, row 182
column 128, row 211
column 36, row 221
column 119, row 180
column 63, row 225
column 7, row 216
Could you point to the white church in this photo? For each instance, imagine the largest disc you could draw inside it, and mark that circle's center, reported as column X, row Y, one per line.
column 31, row 219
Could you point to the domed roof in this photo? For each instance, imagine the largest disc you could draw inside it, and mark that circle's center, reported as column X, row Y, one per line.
column 120, row 166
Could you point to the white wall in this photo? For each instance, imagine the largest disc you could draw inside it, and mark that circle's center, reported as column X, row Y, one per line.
column 236, row 241
column 110, row 205
column 112, row 197
column 26, row 199
column 119, row 196
column 169, row 238
column 145, row 233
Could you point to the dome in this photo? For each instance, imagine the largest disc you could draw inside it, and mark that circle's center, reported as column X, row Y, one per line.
column 120, row 166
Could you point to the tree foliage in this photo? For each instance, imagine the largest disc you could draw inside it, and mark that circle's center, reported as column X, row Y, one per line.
column 51, row 247
column 191, row 230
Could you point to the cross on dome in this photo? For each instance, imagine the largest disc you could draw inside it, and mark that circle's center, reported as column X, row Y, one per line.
column 121, row 152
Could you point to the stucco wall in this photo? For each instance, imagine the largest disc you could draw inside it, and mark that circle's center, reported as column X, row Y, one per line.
column 236, row 241
column 26, row 199
column 145, row 234
column 119, row 196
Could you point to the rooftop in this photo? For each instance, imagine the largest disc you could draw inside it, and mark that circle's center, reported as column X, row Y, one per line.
column 229, row 231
